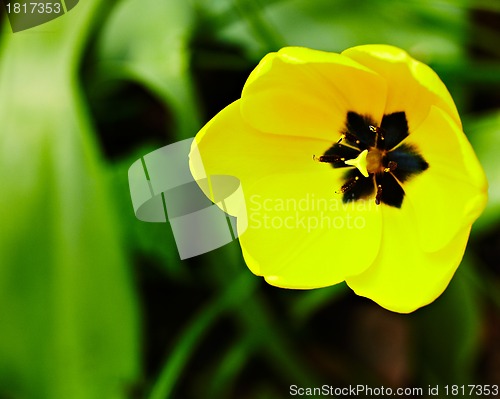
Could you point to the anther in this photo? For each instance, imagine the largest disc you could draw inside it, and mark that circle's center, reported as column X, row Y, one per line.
column 391, row 166
column 379, row 131
column 328, row 158
column 379, row 195
column 349, row 137
column 348, row 186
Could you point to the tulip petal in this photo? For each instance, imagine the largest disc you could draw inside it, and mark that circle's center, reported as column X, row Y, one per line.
column 404, row 278
column 308, row 93
column 300, row 234
column 227, row 145
column 451, row 193
column 412, row 86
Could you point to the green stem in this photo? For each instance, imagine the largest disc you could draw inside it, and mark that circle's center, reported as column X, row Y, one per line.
column 238, row 291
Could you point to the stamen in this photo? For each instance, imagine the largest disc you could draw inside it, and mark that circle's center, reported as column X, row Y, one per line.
column 350, row 138
column 378, row 197
column 378, row 131
column 391, row 166
column 348, row 186
column 328, row 158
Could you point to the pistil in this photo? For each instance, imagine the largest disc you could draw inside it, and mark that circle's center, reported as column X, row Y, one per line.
column 360, row 162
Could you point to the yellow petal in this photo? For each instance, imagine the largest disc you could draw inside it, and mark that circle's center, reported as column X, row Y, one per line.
column 412, row 86
column 303, row 92
column 301, row 235
column 404, row 278
column 227, row 145
column 452, row 192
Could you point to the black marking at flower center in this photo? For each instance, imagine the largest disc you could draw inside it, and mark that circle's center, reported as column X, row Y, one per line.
column 387, row 162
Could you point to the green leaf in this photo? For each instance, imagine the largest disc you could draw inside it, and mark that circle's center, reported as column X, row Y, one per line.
column 430, row 31
column 68, row 313
column 447, row 333
column 147, row 41
column 484, row 137
column 153, row 240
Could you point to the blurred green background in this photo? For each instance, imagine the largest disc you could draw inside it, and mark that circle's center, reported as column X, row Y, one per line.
column 96, row 304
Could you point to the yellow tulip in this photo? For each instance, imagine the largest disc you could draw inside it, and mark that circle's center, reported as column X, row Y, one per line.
column 354, row 167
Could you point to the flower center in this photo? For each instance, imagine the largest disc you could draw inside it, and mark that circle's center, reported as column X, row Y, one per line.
column 380, row 162
column 374, row 160
column 368, row 161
